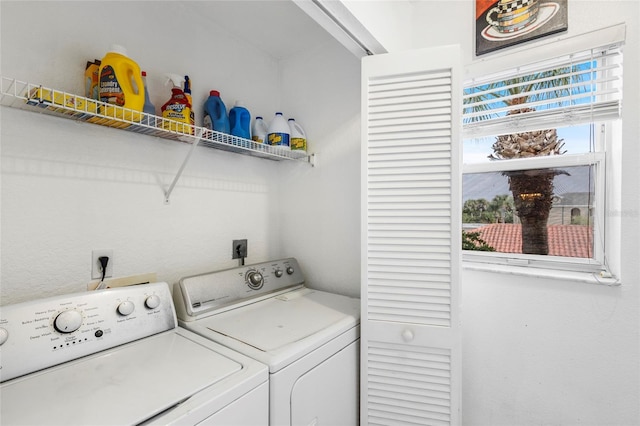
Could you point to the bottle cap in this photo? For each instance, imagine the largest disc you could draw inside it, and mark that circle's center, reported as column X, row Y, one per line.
column 214, row 93
column 116, row 48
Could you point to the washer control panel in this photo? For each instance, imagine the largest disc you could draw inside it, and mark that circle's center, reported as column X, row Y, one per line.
column 204, row 293
column 46, row 332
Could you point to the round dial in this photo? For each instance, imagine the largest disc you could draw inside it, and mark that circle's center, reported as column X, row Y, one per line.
column 4, row 335
column 126, row 308
column 152, row 301
column 278, row 273
column 255, row 280
column 68, row 321
column 289, row 270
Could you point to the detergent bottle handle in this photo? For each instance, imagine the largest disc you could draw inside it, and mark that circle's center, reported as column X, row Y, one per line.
column 135, row 81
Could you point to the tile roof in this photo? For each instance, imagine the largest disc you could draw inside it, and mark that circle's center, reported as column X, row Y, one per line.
column 564, row 240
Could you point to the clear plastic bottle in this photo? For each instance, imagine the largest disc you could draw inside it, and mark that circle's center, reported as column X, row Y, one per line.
column 279, row 132
column 298, row 138
column 148, row 108
column 259, row 130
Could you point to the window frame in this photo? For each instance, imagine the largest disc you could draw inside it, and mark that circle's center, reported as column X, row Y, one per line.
column 592, row 265
column 607, row 232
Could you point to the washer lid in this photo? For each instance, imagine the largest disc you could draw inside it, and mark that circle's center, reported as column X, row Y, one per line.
column 302, row 316
column 123, row 385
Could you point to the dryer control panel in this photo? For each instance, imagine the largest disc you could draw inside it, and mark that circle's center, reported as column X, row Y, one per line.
column 202, row 294
column 47, row 332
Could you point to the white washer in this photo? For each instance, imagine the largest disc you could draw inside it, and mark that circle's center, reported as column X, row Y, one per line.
column 308, row 338
column 117, row 357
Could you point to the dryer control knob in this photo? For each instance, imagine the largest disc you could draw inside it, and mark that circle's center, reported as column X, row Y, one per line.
column 255, row 280
column 278, row 273
column 290, row 270
column 4, row 335
column 126, row 308
column 68, row 321
column 152, row 301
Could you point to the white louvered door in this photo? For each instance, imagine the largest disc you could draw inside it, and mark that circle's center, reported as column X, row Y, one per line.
column 410, row 371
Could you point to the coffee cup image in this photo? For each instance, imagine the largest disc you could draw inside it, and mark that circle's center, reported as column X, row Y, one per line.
column 510, row 16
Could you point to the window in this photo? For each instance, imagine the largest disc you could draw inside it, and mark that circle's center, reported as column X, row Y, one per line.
column 535, row 154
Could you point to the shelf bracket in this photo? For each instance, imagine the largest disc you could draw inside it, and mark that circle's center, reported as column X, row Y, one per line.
column 313, row 159
column 195, row 140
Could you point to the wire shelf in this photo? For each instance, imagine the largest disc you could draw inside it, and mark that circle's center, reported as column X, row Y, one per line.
column 19, row 94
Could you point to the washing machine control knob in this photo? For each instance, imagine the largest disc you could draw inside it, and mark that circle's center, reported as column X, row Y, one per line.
column 289, row 270
column 152, row 301
column 4, row 335
column 126, row 308
column 255, row 280
column 68, row 321
column 278, row 273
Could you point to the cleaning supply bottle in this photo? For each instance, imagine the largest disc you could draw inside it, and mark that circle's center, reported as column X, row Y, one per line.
column 121, row 84
column 298, row 136
column 240, row 121
column 92, row 79
column 279, row 132
column 259, row 130
column 187, row 92
column 148, row 107
column 177, row 110
column 215, row 113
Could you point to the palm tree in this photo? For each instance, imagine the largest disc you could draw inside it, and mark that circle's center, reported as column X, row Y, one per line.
column 532, row 189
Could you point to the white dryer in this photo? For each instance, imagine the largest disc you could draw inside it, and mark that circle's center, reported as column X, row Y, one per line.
column 117, row 357
column 308, row 338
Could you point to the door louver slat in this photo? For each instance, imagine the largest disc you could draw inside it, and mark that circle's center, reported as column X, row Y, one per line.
column 411, row 242
column 402, row 377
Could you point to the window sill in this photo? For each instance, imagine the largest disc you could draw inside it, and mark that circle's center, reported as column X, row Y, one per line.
column 553, row 274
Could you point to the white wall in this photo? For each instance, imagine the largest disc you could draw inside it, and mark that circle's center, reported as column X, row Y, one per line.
column 387, row 20
column 70, row 187
column 320, row 206
column 547, row 351
column 550, row 351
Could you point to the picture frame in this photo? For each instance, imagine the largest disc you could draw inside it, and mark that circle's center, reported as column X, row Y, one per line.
column 505, row 23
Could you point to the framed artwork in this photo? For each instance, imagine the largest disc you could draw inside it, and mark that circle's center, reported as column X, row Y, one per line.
column 505, row 23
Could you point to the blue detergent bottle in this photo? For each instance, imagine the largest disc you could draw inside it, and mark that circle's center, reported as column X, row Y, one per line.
column 240, row 121
column 215, row 113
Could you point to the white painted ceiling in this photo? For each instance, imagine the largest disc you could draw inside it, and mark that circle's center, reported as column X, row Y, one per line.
column 277, row 27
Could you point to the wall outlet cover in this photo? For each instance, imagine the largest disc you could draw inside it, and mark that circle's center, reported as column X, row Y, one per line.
column 96, row 267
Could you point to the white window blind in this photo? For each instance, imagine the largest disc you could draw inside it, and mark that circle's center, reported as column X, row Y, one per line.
column 576, row 88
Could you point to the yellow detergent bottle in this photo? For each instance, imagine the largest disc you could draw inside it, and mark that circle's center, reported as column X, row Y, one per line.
column 121, row 85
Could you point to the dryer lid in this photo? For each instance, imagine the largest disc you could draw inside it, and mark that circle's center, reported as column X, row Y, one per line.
column 291, row 321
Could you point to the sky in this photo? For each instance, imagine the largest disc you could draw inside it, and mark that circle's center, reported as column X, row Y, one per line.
column 488, row 185
column 576, row 141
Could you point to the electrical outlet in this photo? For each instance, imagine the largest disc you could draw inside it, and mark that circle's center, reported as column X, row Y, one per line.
column 239, row 249
column 96, row 267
